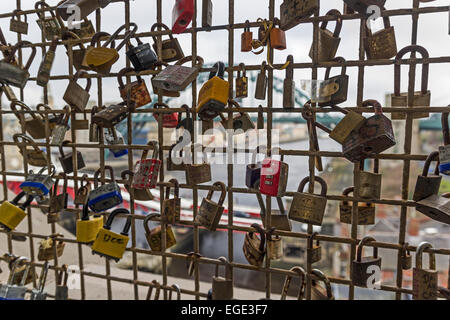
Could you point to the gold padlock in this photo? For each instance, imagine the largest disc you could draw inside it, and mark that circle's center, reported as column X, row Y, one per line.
column 87, row 229
column 172, row 207
column 12, row 214
column 48, row 246
column 370, row 182
column 154, row 236
column 274, row 245
column 210, row 212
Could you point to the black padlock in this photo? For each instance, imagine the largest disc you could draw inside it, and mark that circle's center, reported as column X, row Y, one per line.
column 142, row 56
column 66, row 160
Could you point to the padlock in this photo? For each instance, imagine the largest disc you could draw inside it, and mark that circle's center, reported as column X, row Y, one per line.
column 34, row 125
column 197, row 173
column 253, row 171
column 20, row 270
column 35, row 156
column 106, row 196
column 381, row 44
column 51, row 26
column 179, row 165
column 83, row 29
column 81, row 196
column 58, row 202
column 112, row 138
column 255, row 248
column 53, row 118
column 38, row 184
column 94, row 129
column 170, row 48
column 13, row 74
column 66, row 160
column 43, row 75
column 289, row 85
column 39, row 293
column 246, row 38
column 78, row 55
column 425, row 281
column 169, row 120
column 210, row 212
column 177, row 77
column 79, row 124
column 362, row 6
column 61, row 128
column 138, row 194
column 261, row 83
column 157, row 285
column 242, row 82
column 314, row 251
column 222, row 288
column 182, row 13
column 317, row 291
column 293, row 11
column 274, row 176
column 207, row 13
column 87, row 228
column 366, row 211
column 136, row 91
column 277, row 36
column 287, row 283
column 11, row 291
column 12, row 214
column 171, row 208
column 164, row 92
column 16, row 25
column 177, row 289
column 362, row 267
column 141, row 56
column 278, row 221
column 428, row 185
column 146, row 171
column 436, row 207
column 186, row 123
column 338, row 85
column 311, row 124
column 241, row 121
column 307, row 207
column 75, row 95
column 154, row 236
column 111, row 116
column 109, row 244
column 214, row 94
column 62, row 290
column 352, row 121
column 48, row 247
column 374, row 137
column 406, row 258
column 370, row 182
column 328, row 41
column 9, row 93
column 274, row 245
column 444, row 151
column 421, row 98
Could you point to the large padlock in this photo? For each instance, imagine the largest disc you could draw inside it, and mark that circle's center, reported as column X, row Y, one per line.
column 274, row 176
column 28, row 148
column 381, row 44
column 374, row 137
column 255, row 248
column 362, row 6
column 13, row 74
column 293, row 11
column 287, row 283
column 39, row 293
column 444, row 151
column 135, row 91
column 428, row 185
column 138, row 194
column 78, row 55
column 62, row 290
column 82, row 8
column 308, row 207
column 425, row 281
column 171, row 208
column 177, row 165
column 246, row 38
column 75, row 95
column 66, row 160
column 146, row 171
column 34, row 125
column 106, row 196
column 436, row 207
column 182, row 13
column 289, row 84
column 109, row 244
column 154, row 236
column 82, row 194
column 11, row 291
column 38, row 184
column 12, row 214
column 113, row 138
column 61, row 128
column 48, row 247
column 334, row 90
column 210, row 212
column 370, row 182
column 421, row 98
column 317, row 291
column 261, row 83
column 43, row 75
column 366, row 211
column 197, row 173
column 239, row 122
column 16, row 25
column 277, row 36
column 364, row 267
column 141, row 56
column 314, row 251
column 242, row 82
column 274, row 245
column 328, row 41
column 214, row 94
column 222, row 288
column 88, row 228
column 111, row 116
column 253, row 171
column 405, row 257
column 51, row 26
column 169, row 120
column 170, row 48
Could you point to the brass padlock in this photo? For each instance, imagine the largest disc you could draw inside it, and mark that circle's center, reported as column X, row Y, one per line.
column 328, row 41
column 51, row 26
column 82, row 194
column 421, row 98
column 278, row 221
column 43, row 75
column 425, row 281
column 287, row 283
column 289, row 85
column 16, row 25
column 255, row 248
column 370, row 182
column 274, row 245
column 351, row 122
column 308, row 207
column 154, row 236
column 366, row 211
column 171, row 49
column 406, row 258
column 210, row 212
column 138, row 194
column 364, row 267
column 246, row 38
column 198, row 173
column 338, row 84
column 242, row 82
column 48, row 247
column 428, row 185
column 135, row 91
column 293, row 11
column 222, row 288
column 75, row 95
column 261, row 83
column 317, row 291
column 34, row 125
column 66, row 160
column 27, row 147
column 314, row 251
column 78, row 55
column 381, row 44
column 172, row 207
column 13, row 74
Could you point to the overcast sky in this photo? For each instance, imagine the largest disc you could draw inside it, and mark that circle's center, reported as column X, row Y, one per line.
column 433, row 35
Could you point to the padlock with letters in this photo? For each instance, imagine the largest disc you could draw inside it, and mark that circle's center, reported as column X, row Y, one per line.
column 370, row 182
column 82, row 194
column 261, row 83
column 444, row 151
column 246, row 38
column 66, row 160
column 138, row 194
column 109, row 244
column 38, row 184
column 274, row 245
column 78, row 55
column 62, row 290
column 328, row 41
column 141, row 56
column 317, row 291
column 27, row 147
column 255, row 248
column 293, row 11
column 197, row 173
column 47, row 248
column 338, row 86
column 88, row 228
column 13, row 74
column 182, row 13
column 136, row 91
column 207, row 12
column 362, row 6
column 61, row 128
column 242, row 82
column 146, row 171
column 381, row 44
column 16, row 25
column 425, row 281
column 154, row 236
column 289, row 85
column 210, row 212
column 171, row 208
column 222, row 288
column 11, row 291
column 406, row 258
column 169, row 120
column 366, row 211
column 428, row 185
column 33, row 125
column 51, row 26
column 314, row 251
column 12, row 214
column 307, row 207
column 274, row 176
column 39, row 293
column 112, row 138
column 362, row 265
column 43, row 75
column 75, row 95
column 106, row 196
column 287, row 283
column 171, row 49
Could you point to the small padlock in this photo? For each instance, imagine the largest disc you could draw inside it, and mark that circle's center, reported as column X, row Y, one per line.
column 277, row 36
column 293, row 11
column 253, row 171
column 13, row 74
column 93, row 127
column 308, row 207
column 113, row 138
column 43, row 75
column 12, row 214
column 289, row 84
column 242, row 82
column 328, row 41
column 38, row 293
column 61, row 290
column 210, row 212
column 287, row 283
column 274, row 176
column 141, row 56
column 146, row 171
column 38, row 184
column 135, row 91
column 61, row 128
column 169, row 120
column 444, row 151
column 11, row 291
column 366, row 211
column 66, row 160
column 314, row 251
column 425, row 281
column 81, row 196
column 406, row 258
column 179, row 165
column 48, row 247
column 51, row 26
column 138, row 194
column 255, row 248
column 75, row 95
column 362, row 267
column 106, row 196
column 242, row 121
column 317, row 291
column 171, row 208
column 171, row 49
column 246, row 38
column 33, row 125
column 279, row 221
column 34, row 155
column 111, row 116
column 109, row 244
column 207, row 13
column 261, row 83
column 182, row 13
column 197, row 173
column 154, row 236
column 222, row 288
column 370, row 182
column 351, row 122
column 78, row 55
column 274, row 246
column 58, row 202
column 87, row 228
column 338, row 86
column 428, row 185
column 79, row 124
column 16, row 25
column 381, row 44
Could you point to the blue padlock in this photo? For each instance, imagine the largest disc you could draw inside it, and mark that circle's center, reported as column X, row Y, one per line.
column 38, row 184
column 106, row 196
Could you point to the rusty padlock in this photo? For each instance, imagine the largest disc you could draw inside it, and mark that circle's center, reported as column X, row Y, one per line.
column 366, row 211
column 328, row 41
column 16, row 25
column 314, row 251
column 210, row 212
column 76, row 95
column 27, row 147
column 425, row 281
column 242, row 82
column 82, row 194
column 11, row 73
column 171, row 49
column 197, row 173
column 154, row 236
column 172, row 207
column 34, row 125
column 381, row 44
column 334, row 90
column 255, row 248
column 428, row 185
column 135, row 91
column 246, row 38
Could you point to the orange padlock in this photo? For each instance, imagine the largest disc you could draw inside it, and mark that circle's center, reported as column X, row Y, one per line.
column 246, row 38
column 277, row 36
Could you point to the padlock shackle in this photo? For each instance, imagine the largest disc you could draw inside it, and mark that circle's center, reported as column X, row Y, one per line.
column 175, row 288
column 150, row 290
column 17, row 198
column 425, row 68
column 155, row 147
column 160, row 25
column 15, row 265
column 16, row 15
column 318, row 179
column 43, row 277
column 122, row 73
column 375, row 104
column 23, row 107
column 45, row 108
column 433, row 156
column 445, row 129
column 227, row 265
column 176, row 187
column 219, row 70
column 290, row 67
column 287, row 283
column 67, row 35
column 61, row 150
column 419, row 255
column 364, row 241
column 149, row 218
column 199, row 61
column 311, row 240
column 247, row 26
column 376, row 165
column 97, row 173
column 79, row 74
column 112, row 216
column 128, row 35
column 322, row 277
column 223, row 189
column 96, row 38
column 18, row 45
column 405, row 251
column 338, row 28
column 343, row 68
column 262, row 235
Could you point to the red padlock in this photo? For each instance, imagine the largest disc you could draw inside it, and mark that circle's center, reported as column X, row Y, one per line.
column 182, row 14
column 274, row 174
column 146, row 170
column 169, row 120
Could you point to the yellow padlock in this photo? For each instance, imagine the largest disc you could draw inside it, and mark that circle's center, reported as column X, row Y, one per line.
column 11, row 214
column 109, row 244
column 213, row 96
column 87, row 229
column 154, row 236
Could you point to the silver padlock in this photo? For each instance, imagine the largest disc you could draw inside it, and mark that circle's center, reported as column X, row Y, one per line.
column 61, row 128
column 11, row 291
column 62, row 290
column 38, row 293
